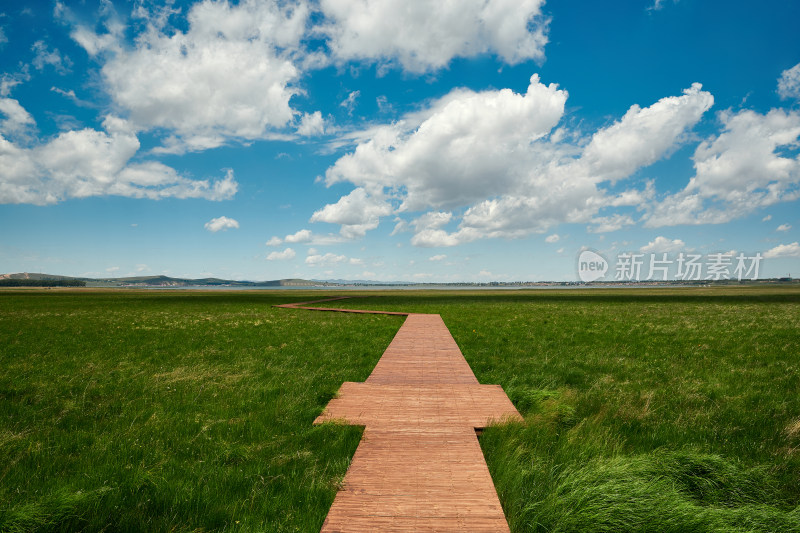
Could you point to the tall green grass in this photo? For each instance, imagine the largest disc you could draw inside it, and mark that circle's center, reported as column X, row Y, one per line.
column 655, row 410
column 173, row 412
column 645, row 410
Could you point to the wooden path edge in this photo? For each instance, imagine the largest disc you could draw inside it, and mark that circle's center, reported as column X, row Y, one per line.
column 307, row 307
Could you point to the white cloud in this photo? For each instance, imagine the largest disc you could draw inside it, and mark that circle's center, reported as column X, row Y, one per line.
column 552, row 238
column 789, row 83
column 462, row 149
column 43, row 57
column 3, row 38
column 438, row 257
column 72, row 96
column 357, row 213
column 311, row 124
column 399, row 227
column 435, row 238
column 491, row 156
column 304, row 235
column 737, row 172
column 610, row 223
column 227, row 76
column 663, row 244
column 784, row 227
column 288, row 253
column 783, row 250
column 658, row 5
column 766, row 218
column 329, row 259
column 432, row 220
column 383, row 104
column 87, row 162
column 426, row 35
column 643, row 136
column 17, row 120
column 221, row 224
column 349, row 103
column 9, row 81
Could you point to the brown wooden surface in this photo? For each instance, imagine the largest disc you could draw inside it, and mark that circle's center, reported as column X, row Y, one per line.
column 419, row 465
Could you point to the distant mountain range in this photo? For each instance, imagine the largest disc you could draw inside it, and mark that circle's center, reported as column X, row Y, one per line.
column 34, row 279
column 166, row 281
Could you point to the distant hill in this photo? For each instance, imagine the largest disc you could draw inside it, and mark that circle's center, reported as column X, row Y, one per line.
column 163, row 281
column 36, row 276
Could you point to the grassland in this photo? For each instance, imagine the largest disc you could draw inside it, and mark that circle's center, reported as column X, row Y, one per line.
column 655, row 410
column 138, row 411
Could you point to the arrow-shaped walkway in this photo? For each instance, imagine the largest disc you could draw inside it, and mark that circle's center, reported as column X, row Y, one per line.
column 419, row 466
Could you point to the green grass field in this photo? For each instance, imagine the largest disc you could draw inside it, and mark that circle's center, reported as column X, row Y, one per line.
column 645, row 410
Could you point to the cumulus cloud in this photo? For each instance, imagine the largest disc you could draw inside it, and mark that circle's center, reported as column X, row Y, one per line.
column 457, row 151
column 426, row 35
column 783, row 250
column 663, row 244
column 357, row 213
column 221, row 224
column 739, row 171
column 789, row 83
column 288, row 253
column 311, row 124
column 304, row 235
column 17, row 120
column 784, row 227
column 88, row 162
column 274, row 241
column 552, row 238
column 643, row 136
column 495, row 156
column 228, row 75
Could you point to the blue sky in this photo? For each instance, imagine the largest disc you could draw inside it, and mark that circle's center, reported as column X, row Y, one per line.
column 395, row 140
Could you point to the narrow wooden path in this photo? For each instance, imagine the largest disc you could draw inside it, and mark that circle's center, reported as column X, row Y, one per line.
column 419, row 465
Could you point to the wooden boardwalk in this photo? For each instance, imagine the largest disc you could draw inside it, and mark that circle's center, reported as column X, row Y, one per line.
column 419, row 466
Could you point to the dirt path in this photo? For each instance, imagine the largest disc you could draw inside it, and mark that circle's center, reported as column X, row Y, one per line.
column 419, row 466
